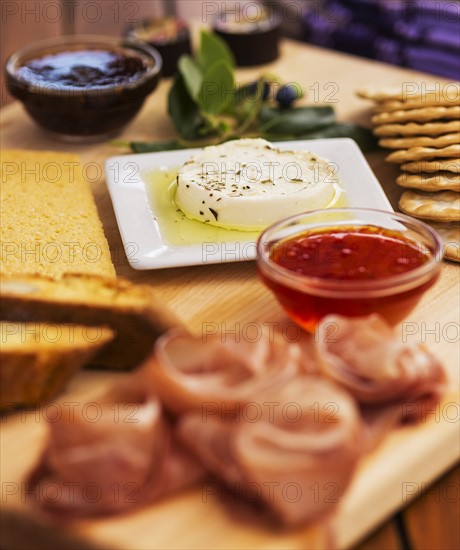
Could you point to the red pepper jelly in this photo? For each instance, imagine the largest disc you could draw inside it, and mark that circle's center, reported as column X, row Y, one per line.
column 348, row 270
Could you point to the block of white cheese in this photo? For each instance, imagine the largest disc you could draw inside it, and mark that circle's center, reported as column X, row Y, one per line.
column 248, row 184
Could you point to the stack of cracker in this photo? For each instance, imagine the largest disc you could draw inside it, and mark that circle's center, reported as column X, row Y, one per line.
column 423, row 129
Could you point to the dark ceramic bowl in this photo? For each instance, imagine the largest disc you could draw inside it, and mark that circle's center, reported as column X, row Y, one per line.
column 170, row 47
column 83, row 88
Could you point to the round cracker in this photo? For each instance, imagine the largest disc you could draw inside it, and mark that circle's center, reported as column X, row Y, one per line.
column 418, row 115
column 414, row 129
column 450, row 236
column 390, row 106
column 406, row 92
column 381, row 94
column 423, row 153
column 440, row 181
column 436, row 165
column 443, row 206
column 422, row 141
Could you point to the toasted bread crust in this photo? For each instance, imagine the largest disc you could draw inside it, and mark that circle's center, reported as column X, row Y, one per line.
column 37, row 360
column 133, row 312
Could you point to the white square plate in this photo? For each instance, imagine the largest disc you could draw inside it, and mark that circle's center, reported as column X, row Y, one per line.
column 146, row 243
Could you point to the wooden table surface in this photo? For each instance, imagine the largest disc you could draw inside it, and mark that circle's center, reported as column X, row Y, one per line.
column 232, row 293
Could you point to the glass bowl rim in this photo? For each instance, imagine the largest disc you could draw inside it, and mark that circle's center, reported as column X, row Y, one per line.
column 14, row 59
column 392, row 284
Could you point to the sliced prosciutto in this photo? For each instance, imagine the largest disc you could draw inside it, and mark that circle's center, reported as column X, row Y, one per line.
column 189, row 373
column 297, row 458
column 368, row 358
column 110, row 455
column 285, row 423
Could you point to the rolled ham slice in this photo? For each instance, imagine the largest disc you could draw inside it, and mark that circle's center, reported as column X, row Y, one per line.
column 297, row 458
column 110, row 455
column 284, row 422
column 367, row 357
column 189, row 373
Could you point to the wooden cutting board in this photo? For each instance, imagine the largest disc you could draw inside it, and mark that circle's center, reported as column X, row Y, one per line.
column 231, row 297
column 407, row 461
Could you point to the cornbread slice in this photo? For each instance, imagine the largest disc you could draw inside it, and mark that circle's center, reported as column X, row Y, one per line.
column 49, row 221
column 132, row 311
column 38, row 359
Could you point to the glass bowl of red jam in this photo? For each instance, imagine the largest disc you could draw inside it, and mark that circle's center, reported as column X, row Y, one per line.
column 83, row 88
column 348, row 261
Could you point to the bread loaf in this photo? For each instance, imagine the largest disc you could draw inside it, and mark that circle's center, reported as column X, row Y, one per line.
column 49, row 220
column 38, row 359
column 132, row 311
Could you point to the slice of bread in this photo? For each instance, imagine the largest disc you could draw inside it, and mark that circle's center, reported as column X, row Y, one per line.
column 38, row 359
column 132, row 311
column 49, row 220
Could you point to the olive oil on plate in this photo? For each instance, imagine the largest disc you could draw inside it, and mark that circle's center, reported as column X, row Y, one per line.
column 178, row 230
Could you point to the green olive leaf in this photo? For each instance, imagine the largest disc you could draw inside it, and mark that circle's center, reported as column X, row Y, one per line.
column 184, row 112
column 295, row 121
column 155, row 146
column 192, row 75
column 363, row 136
column 218, row 88
column 213, row 49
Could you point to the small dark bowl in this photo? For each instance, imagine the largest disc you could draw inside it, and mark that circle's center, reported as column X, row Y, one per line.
column 251, row 45
column 98, row 105
column 170, row 50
